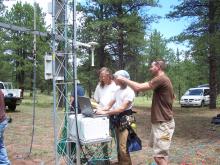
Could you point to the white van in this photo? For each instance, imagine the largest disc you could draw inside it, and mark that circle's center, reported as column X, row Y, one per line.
column 195, row 97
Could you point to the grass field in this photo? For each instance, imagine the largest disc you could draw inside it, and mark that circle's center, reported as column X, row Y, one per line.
column 45, row 101
column 195, row 141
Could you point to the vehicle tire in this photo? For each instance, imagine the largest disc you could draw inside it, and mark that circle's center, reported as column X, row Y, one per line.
column 12, row 107
column 202, row 104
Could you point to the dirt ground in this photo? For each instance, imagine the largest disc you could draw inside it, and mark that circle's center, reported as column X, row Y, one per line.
column 195, row 142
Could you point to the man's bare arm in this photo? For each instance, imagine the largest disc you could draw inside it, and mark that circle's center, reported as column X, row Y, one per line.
column 118, row 110
column 135, row 85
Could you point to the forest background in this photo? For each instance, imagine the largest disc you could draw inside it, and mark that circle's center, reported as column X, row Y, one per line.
column 121, row 29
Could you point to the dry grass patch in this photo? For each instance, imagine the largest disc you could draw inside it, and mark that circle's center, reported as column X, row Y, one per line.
column 194, row 141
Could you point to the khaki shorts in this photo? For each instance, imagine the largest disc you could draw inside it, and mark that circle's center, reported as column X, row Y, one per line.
column 160, row 138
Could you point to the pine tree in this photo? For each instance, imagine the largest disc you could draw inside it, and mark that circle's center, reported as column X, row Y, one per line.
column 204, row 30
column 20, row 45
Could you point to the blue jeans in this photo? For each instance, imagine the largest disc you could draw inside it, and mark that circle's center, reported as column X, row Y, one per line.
column 3, row 153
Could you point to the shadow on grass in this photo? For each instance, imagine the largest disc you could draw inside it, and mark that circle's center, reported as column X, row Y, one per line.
column 191, row 123
column 12, row 111
column 195, row 123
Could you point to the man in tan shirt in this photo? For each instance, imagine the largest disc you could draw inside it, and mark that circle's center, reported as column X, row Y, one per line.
column 163, row 124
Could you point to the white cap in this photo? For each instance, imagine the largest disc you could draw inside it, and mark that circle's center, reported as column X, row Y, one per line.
column 122, row 73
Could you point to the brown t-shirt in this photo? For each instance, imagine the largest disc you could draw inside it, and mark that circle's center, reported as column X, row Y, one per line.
column 2, row 107
column 163, row 96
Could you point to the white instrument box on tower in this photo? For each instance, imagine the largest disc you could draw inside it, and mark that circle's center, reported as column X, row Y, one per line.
column 89, row 128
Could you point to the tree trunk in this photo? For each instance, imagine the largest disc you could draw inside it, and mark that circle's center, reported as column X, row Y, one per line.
column 31, row 83
column 121, row 49
column 101, row 49
column 212, row 56
column 120, row 38
column 61, row 94
column 20, row 75
column 101, row 54
column 20, row 79
column 48, row 87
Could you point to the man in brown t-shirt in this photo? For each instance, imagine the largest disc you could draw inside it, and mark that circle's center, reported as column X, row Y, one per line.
column 161, row 110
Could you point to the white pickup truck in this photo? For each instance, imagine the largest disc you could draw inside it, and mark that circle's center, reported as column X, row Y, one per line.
column 12, row 96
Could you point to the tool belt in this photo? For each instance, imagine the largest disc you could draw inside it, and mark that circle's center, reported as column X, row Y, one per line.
column 123, row 120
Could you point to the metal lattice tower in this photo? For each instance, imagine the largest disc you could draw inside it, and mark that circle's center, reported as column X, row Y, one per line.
column 64, row 77
column 61, row 79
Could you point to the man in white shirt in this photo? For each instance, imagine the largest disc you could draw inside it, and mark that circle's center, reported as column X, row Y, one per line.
column 123, row 102
column 106, row 87
column 104, row 92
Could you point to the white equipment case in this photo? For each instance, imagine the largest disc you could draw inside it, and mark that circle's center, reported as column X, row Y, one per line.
column 89, row 128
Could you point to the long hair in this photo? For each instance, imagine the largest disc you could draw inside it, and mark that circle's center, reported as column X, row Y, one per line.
column 108, row 72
